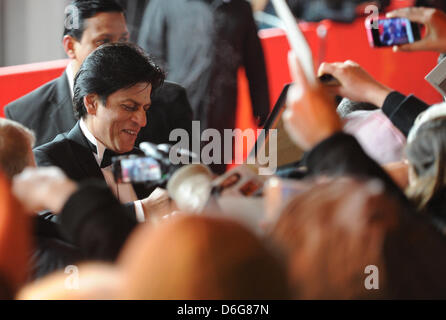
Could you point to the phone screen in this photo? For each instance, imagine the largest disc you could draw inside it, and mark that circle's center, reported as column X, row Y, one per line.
column 394, row 31
column 139, row 170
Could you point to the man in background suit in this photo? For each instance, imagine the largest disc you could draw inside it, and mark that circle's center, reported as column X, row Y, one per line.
column 112, row 93
column 134, row 11
column 202, row 44
column 48, row 110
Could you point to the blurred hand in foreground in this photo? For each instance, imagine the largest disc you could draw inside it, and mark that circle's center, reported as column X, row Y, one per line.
column 310, row 115
column 43, row 189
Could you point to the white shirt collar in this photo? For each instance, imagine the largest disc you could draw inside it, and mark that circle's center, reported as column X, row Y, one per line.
column 100, row 148
column 70, row 76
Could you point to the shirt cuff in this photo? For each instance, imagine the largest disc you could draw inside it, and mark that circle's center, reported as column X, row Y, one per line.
column 139, row 211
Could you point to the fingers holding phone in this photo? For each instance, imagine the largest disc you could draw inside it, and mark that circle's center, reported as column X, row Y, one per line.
column 391, row 32
column 435, row 22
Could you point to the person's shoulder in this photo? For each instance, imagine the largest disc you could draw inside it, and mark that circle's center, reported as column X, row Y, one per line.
column 56, row 146
column 32, row 101
column 169, row 87
column 53, row 153
column 44, row 90
column 169, row 91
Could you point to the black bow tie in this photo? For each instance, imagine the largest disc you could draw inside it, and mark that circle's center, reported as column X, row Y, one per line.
column 109, row 154
column 107, row 158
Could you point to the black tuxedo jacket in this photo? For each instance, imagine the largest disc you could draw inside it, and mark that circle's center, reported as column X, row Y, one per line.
column 48, row 111
column 93, row 224
column 71, row 152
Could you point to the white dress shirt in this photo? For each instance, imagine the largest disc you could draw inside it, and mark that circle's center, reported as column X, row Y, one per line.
column 70, row 76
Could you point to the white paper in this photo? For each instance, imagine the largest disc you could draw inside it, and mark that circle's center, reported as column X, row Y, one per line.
column 297, row 41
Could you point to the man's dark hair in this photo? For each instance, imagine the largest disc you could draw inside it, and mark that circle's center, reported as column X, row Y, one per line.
column 113, row 67
column 80, row 10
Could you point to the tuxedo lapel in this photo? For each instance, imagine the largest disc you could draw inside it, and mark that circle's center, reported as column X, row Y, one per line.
column 62, row 115
column 83, row 154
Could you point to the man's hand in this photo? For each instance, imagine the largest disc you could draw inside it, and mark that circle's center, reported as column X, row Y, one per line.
column 356, row 83
column 310, row 116
column 435, row 23
column 158, row 205
column 43, row 189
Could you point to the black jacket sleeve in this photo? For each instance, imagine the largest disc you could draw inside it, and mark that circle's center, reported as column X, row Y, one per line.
column 402, row 110
column 255, row 68
column 95, row 221
column 43, row 159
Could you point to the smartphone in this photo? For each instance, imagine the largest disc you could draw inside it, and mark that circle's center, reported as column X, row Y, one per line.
column 391, row 32
column 136, row 170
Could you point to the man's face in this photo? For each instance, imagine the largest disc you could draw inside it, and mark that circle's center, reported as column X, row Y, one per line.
column 105, row 27
column 117, row 124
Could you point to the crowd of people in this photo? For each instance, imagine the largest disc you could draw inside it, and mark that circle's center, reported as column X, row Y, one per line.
column 367, row 221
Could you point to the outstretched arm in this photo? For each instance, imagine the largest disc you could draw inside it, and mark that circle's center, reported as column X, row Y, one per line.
column 355, row 83
column 358, row 85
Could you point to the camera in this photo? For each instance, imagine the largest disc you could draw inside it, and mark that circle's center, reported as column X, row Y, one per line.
column 134, row 169
column 153, row 169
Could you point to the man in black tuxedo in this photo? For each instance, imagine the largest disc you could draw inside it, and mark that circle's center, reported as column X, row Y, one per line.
column 48, row 110
column 112, row 93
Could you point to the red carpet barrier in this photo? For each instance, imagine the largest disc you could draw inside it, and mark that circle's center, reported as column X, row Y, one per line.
column 17, row 81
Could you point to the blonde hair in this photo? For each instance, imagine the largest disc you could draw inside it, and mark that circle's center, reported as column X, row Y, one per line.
column 427, row 155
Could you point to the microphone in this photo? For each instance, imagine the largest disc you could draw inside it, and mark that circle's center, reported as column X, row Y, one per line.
column 162, row 151
column 151, row 150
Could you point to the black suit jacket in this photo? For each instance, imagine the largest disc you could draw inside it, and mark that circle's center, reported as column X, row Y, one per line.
column 71, row 152
column 92, row 226
column 48, row 111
